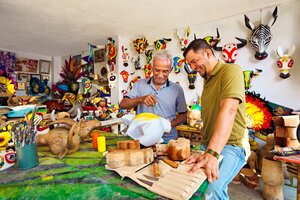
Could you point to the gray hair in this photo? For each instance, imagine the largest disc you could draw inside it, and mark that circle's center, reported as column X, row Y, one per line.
column 163, row 55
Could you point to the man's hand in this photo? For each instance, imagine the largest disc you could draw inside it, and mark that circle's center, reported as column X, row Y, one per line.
column 208, row 162
column 149, row 100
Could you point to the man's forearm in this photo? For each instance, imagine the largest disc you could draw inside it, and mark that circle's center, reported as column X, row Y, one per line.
column 223, row 125
column 180, row 118
column 128, row 103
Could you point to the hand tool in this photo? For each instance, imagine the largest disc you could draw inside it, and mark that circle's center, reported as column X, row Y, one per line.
column 170, row 162
column 144, row 167
column 156, row 171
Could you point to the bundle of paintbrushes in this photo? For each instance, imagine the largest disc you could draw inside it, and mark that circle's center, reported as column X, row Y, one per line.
column 24, row 130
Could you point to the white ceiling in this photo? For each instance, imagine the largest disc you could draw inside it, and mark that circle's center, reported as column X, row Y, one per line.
column 61, row 27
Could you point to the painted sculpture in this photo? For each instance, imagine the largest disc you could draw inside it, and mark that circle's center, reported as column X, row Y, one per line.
column 70, row 74
column 125, row 56
column 161, row 43
column 192, row 76
column 183, row 40
column 124, row 74
column 194, row 116
column 86, row 85
column 140, row 45
column 285, row 61
column 230, row 50
column 148, row 66
column 148, row 128
column 111, row 52
column 7, row 159
column 177, row 63
column 261, row 36
column 248, row 76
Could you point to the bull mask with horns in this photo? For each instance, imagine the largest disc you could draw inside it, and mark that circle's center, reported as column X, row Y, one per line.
column 230, row 50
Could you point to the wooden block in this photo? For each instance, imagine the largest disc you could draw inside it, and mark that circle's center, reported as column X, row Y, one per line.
column 291, row 132
column 291, row 120
column 280, row 132
column 278, row 121
column 128, row 157
column 292, row 143
column 128, row 144
column 280, row 141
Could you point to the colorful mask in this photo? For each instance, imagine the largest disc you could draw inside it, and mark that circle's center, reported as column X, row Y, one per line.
column 285, row 61
column 125, row 56
column 230, row 50
column 211, row 40
column 183, row 40
column 140, row 45
column 149, row 54
column 125, row 75
column 248, row 75
column 86, row 85
column 148, row 70
column 162, row 43
column 133, row 81
column 7, row 159
column 136, row 63
column 177, row 63
column 112, row 79
column 192, row 76
column 261, row 36
column 111, row 52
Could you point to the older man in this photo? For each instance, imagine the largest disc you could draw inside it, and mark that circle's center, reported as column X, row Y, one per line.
column 159, row 95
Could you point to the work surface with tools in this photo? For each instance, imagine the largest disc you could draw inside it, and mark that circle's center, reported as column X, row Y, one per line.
column 77, row 176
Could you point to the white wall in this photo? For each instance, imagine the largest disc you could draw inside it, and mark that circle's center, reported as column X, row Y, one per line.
column 286, row 31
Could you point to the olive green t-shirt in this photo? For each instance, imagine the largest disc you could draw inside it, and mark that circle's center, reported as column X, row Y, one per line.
column 225, row 81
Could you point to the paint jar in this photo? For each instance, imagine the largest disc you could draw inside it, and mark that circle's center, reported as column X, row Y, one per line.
column 27, row 156
column 101, row 141
column 95, row 135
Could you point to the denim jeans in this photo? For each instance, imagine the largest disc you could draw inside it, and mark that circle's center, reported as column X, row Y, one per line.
column 232, row 163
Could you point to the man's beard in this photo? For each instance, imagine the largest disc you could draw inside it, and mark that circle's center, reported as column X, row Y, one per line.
column 205, row 75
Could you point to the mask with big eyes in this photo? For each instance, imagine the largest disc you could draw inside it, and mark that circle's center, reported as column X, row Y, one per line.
column 7, row 159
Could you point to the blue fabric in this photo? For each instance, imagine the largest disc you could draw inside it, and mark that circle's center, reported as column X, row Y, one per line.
column 232, row 163
column 170, row 99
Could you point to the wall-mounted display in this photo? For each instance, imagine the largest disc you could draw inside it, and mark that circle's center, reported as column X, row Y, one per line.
column 99, row 55
column 21, row 85
column 21, row 77
column 7, row 62
column 26, row 65
column 44, row 66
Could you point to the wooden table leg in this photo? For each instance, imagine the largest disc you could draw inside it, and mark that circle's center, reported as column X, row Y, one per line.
column 298, row 183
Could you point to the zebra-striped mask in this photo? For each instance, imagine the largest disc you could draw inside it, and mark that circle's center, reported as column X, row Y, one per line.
column 261, row 36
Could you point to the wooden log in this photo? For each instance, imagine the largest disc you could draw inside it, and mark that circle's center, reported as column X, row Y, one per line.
column 179, row 149
column 291, row 132
column 273, row 179
column 280, row 132
column 291, row 120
